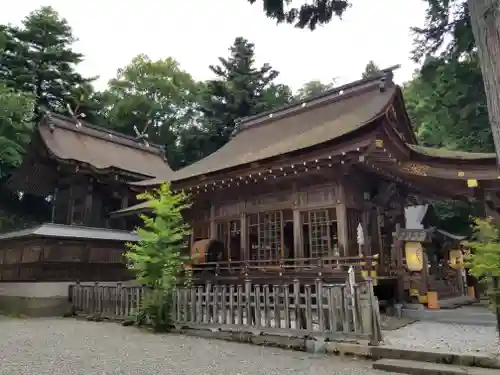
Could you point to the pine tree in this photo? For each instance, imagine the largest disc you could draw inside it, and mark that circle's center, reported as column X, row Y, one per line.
column 240, row 90
column 370, row 69
column 38, row 59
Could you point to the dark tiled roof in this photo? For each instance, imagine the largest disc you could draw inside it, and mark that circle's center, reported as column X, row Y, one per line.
column 101, row 148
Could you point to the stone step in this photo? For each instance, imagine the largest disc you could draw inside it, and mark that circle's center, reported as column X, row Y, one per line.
column 404, row 366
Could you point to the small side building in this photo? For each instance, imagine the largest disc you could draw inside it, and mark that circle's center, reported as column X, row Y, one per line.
column 83, row 170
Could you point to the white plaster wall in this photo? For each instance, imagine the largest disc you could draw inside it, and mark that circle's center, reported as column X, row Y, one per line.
column 42, row 289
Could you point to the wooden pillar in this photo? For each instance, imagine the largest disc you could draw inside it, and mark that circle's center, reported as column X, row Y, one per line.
column 298, row 248
column 365, row 223
column 87, row 213
column 54, row 203
column 342, row 229
column 213, row 227
column 71, row 201
column 245, row 252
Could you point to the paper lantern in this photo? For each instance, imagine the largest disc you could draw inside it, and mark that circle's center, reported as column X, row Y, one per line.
column 414, row 256
column 456, row 259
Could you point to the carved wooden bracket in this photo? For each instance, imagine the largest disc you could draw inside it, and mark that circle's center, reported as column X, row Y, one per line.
column 415, row 169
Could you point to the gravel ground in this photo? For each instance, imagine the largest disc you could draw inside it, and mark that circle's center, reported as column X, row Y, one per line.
column 68, row 347
column 432, row 336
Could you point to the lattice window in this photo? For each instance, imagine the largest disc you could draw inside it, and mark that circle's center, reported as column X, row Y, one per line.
column 229, row 234
column 270, row 230
column 320, row 233
column 253, row 236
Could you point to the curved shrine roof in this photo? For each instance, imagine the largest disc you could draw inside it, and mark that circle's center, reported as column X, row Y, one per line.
column 100, row 148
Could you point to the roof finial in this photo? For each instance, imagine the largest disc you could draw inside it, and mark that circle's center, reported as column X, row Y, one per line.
column 76, row 115
column 142, row 136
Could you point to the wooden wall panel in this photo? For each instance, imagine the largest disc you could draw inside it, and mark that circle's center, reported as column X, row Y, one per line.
column 62, row 260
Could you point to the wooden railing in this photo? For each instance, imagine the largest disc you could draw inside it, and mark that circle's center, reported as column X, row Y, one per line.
column 332, row 311
column 329, row 268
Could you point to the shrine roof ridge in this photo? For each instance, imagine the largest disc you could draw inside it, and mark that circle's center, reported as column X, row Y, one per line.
column 321, row 98
column 100, row 132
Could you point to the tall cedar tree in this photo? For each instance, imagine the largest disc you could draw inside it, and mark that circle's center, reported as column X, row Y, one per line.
column 38, row 59
column 240, row 90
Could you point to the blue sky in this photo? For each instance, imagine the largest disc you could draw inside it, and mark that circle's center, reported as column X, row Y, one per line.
column 196, row 32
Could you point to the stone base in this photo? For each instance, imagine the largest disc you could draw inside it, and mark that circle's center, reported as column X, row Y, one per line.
column 37, row 298
column 33, row 306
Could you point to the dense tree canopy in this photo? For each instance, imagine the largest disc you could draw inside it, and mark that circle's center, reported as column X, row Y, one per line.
column 156, row 98
column 16, row 112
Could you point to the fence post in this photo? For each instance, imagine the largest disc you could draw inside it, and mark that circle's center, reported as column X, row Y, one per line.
column 374, row 316
column 248, row 302
column 97, row 301
column 118, row 301
column 365, row 309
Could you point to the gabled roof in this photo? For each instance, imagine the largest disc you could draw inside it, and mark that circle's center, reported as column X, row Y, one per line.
column 299, row 126
column 100, row 148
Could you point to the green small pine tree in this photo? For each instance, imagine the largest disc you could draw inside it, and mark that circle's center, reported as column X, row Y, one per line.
column 159, row 258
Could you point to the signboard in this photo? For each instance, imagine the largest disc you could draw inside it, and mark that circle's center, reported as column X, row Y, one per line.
column 414, row 235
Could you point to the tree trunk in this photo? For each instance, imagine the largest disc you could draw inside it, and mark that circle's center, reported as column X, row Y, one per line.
column 485, row 22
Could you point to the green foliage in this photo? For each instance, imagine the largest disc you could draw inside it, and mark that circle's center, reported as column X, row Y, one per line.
column 159, row 99
column 447, row 30
column 310, row 14
column 16, row 112
column 485, row 260
column 159, row 258
column 454, row 216
column 445, row 111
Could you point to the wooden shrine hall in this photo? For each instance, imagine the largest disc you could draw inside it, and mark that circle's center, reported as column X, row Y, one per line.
column 287, row 196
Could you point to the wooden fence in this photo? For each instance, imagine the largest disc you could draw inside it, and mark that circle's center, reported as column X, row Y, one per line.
column 332, row 311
